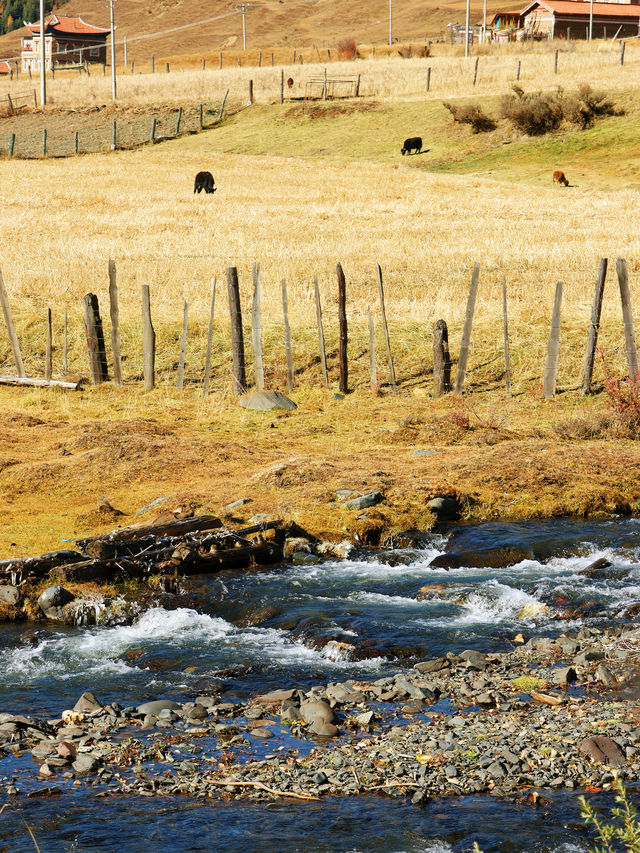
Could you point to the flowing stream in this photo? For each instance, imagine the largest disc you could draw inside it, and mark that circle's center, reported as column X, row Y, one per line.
column 304, row 624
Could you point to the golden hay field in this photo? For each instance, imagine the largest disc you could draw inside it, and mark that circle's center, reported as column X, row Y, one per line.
column 63, row 219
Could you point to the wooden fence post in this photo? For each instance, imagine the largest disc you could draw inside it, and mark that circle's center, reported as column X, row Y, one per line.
column 44, row 142
column 373, row 374
column 95, row 340
column 65, row 343
column 178, row 120
column 553, row 350
column 48, row 358
column 256, row 329
column 288, row 350
column 250, row 92
column 201, row 116
column 282, row 85
column 466, row 332
column 148, row 341
column 629, row 331
column 237, row 339
column 153, row 130
column 323, row 357
column 518, row 70
column 207, row 358
column 428, row 78
column 224, row 101
column 167, row 67
column 555, row 62
column 622, row 47
column 594, row 327
column 385, row 328
column 475, row 70
column 115, row 324
column 12, row 144
column 183, row 348
column 153, row 64
column 441, row 359
column 220, row 59
column 343, row 364
column 505, row 324
column 76, row 141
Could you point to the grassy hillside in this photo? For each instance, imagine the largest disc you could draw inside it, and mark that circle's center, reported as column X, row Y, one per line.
column 217, row 25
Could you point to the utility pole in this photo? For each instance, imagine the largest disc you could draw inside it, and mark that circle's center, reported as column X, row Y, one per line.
column 242, row 8
column 590, row 20
column 390, row 22
column 484, row 22
column 466, row 31
column 43, row 67
column 113, row 52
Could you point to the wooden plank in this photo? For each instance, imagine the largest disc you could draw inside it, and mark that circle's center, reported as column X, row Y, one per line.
column 466, row 332
column 553, row 350
column 343, row 365
column 237, row 339
column 95, row 339
column 183, row 348
column 323, row 355
column 148, row 341
column 115, row 324
column 441, row 359
column 11, row 329
column 594, row 327
column 207, row 358
column 288, row 350
column 627, row 315
column 505, row 328
column 373, row 373
column 256, row 328
column 37, row 383
column 48, row 357
column 385, row 329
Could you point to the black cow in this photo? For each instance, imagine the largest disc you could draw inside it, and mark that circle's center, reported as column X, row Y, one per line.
column 204, row 181
column 414, row 143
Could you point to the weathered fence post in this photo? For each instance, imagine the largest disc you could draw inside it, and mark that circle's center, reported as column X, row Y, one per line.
column 250, row 92
column 288, row 350
column 9, row 101
column 183, row 348
column 114, row 140
column 95, row 340
column 201, row 116
column 555, row 62
column 441, row 359
column 428, row 78
column 358, row 86
column 48, row 358
column 76, row 141
column 594, row 327
column 259, row 58
column 256, row 329
column 148, row 341
column 466, row 331
column 153, row 64
column 622, row 47
column 323, row 356
column 167, row 67
column 475, row 70
column 553, row 350
column 207, row 358
column 237, row 339
column 44, row 142
column 203, row 63
column 373, row 374
column 282, row 85
column 224, row 101
column 629, row 331
column 518, row 70
column 115, row 324
column 343, row 365
column 178, row 120
column 153, row 130
column 65, row 343
column 11, row 329
column 505, row 324
column 220, row 59
column 385, row 328
column 12, row 144
column 324, row 85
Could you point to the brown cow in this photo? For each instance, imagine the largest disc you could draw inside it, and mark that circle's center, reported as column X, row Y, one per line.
column 560, row 178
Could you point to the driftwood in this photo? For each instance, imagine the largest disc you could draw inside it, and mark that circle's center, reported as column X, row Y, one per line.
column 185, row 546
column 38, row 383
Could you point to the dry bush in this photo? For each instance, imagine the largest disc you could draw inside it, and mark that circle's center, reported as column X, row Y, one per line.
column 473, row 115
column 583, row 428
column 586, row 106
column 347, row 49
column 421, row 50
column 535, row 114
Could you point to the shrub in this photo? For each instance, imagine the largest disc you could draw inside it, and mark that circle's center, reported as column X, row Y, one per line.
column 623, row 832
column 623, row 396
column 347, row 49
column 534, row 114
column 586, row 106
column 473, row 115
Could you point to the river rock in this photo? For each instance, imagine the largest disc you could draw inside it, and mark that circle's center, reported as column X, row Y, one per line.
column 157, row 705
column 322, row 728
column 87, row 703
column 52, row 601
column 604, row 750
column 444, row 508
column 605, row 676
column 265, row 401
column 564, row 675
column 85, row 763
column 364, row 501
column 315, row 711
column 262, row 732
column 9, row 594
column 273, row 697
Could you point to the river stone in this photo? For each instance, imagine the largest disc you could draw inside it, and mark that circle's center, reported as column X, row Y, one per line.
column 323, row 729
column 565, row 675
column 157, row 705
column 87, row 703
column 605, row 676
column 9, row 594
column 275, row 696
column 85, row 763
column 52, row 600
column 434, row 665
column 604, row 750
column 262, row 732
column 265, row 401
column 589, row 655
column 316, row 711
column 444, row 508
column 364, row 501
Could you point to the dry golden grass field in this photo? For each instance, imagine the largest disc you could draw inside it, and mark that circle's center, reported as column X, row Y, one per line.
column 300, row 188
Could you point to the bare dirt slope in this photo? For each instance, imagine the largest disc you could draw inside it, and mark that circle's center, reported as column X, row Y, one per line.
column 217, row 25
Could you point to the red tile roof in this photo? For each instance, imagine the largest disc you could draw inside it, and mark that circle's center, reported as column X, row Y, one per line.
column 581, row 7
column 4, row 67
column 68, row 26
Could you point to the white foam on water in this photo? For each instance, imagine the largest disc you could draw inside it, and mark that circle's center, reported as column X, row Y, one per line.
column 381, row 598
column 491, row 603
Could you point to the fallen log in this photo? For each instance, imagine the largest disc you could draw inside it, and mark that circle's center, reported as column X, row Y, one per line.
column 178, row 527
column 38, row 566
column 39, row 383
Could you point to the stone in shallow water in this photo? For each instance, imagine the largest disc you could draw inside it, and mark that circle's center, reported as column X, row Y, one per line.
column 261, row 732
column 604, row 750
column 157, row 706
column 87, row 703
column 265, row 401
